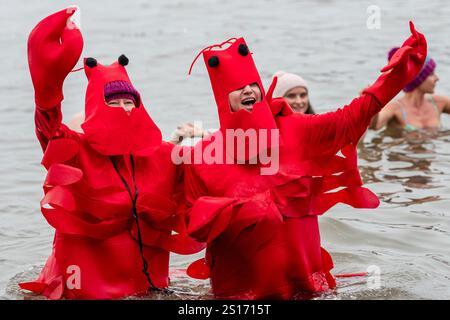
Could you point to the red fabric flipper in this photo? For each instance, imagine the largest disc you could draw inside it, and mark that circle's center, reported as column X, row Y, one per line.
column 36, row 287
column 327, row 266
column 183, row 244
column 55, row 289
column 177, row 243
column 61, row 175
column 155, row 208
column 326, row 259
column 203, row 213
column 220, row 223
column 266, row 222
column 59, row 197
column 59, row 151
column 70, row 223
column 358, row 197
column 198, row 270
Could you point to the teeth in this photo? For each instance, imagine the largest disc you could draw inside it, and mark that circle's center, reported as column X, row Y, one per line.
column 248, row 101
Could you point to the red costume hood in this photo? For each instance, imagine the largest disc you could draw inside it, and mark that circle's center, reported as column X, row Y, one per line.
column 231, row 69
column 234, row 70
column 110, row 130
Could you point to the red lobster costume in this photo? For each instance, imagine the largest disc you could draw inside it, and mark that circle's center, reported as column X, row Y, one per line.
column 110, row 193
column 262, row 231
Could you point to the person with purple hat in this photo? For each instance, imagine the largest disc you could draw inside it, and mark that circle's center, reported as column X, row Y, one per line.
column 121, row 94
column 419, row 108
column 117, row 94
column 124, row 95
column 112, row 193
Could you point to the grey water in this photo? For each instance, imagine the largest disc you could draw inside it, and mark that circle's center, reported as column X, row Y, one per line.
column 328, row 42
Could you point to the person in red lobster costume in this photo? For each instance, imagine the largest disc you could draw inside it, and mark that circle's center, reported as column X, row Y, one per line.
column 110, row 193
column 262, row 231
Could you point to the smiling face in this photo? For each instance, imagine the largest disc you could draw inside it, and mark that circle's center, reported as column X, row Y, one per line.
column 298, row 99
column 126, row 104
column 245, row 98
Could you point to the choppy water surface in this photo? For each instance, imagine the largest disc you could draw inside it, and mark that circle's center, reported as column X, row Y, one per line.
column 328, row 43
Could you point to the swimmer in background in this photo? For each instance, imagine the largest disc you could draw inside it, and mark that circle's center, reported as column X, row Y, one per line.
column 419, row 108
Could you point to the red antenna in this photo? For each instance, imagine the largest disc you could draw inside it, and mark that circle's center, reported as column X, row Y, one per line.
column 75, row 70
column 231, row 40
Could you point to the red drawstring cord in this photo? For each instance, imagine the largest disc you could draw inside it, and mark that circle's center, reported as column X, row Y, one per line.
column 209, row 48
column 349, row 275
column 75, row 70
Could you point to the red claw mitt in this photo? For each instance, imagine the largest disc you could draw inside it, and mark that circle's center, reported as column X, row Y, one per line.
column 403, row 67
column 278, row 106
column 54, row 47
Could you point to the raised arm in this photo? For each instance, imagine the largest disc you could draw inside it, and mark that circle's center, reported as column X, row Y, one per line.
column 54, row 47
column 387, row 114
column 331, row 131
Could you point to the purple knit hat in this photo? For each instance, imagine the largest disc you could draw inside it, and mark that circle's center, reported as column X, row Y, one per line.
column 427, row 69
column 121, row 90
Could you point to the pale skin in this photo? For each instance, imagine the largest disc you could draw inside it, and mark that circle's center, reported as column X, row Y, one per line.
column 298, row 99
column 187, row 130
column 241, row 99
column 420, row 112
column 184, row 130
column 245, row 98
column 125, row 104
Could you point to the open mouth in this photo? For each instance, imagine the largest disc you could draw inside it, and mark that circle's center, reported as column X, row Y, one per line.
column 248, row 102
